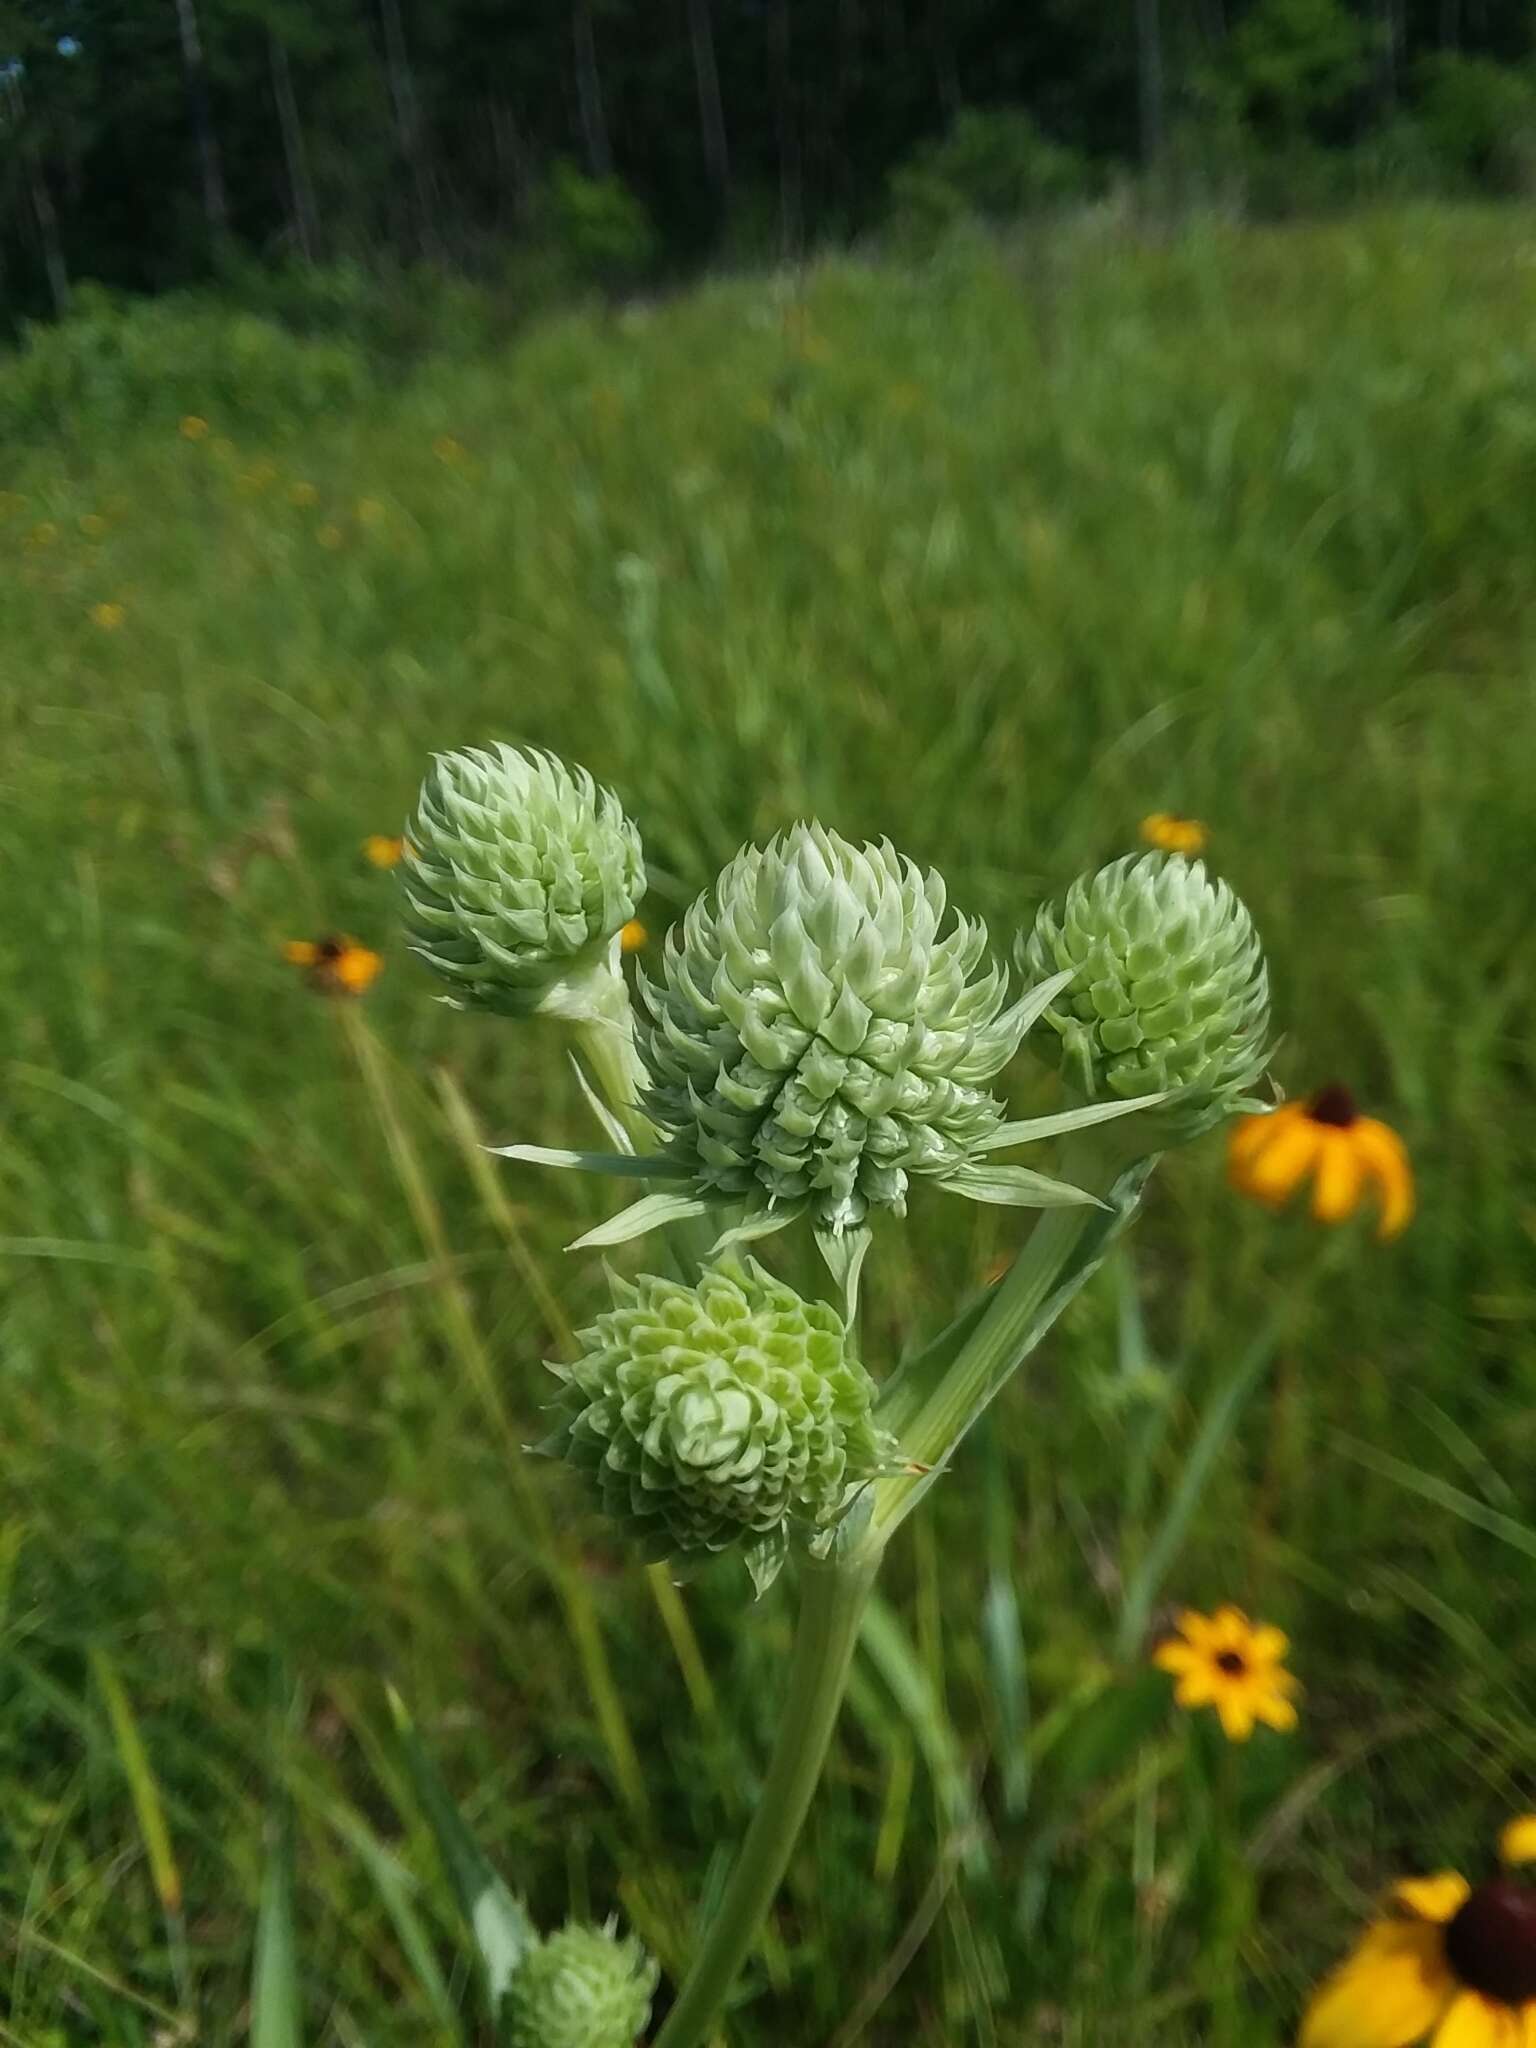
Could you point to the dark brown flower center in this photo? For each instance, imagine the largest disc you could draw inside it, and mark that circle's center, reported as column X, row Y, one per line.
column 1333, row 1105
column 331, row 949
column 1491, row 1943
column 1233, row 1662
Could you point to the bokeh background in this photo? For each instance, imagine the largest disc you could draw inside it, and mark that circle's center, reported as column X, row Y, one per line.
column 992, row 538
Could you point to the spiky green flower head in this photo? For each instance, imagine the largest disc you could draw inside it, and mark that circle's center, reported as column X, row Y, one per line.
column 582, row 1988
column 1169, row 989
column 820, row 1034
column 718, row 1416
column 519, row 874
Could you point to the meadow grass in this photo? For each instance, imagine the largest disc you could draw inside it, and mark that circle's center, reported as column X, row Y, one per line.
column 993, row 556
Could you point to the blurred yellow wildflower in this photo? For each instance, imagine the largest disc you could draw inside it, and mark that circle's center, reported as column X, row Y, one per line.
column 329, row 536
column 905, row 396
column 447, row 449
column 256, row 479
column 303, row 494
column 43, row 535
column 370, row 512
column 193, row 427
column 1237, row 1666
column 337, row 966
column 1171, row 833
column 92, row 525
column 1517, row 1844
column 1348, row 1157
column 633, row 935
column 383, row 851
column 1445, row 1963
column 108, row 616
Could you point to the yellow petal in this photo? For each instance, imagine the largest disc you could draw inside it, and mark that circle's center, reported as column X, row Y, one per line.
column 1477, row 2022
column 1388, row 1994
column 1269, row 1645
column 1517, row 1844
column 1236, row 1713
column 1231, row 1630
column 1250, row 1134
column 1195, row 1628
column 1340, row 1177
column 1284, row 1162
column 1385, row 1158
column 1197, row 1688
column 1275, row 1709
column 301, row 953
column 1439, row 1898
column 1177, row 1657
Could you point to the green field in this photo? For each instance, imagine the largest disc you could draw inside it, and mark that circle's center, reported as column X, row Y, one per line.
column 995, row 557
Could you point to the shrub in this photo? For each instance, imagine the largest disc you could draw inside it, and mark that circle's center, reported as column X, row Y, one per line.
column 994, row 166
column 1479, row 120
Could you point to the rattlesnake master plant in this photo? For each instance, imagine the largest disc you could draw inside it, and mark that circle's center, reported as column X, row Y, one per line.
column 720, row 1416
column 581, row 1988
column 518, row 876
column 1168, row 989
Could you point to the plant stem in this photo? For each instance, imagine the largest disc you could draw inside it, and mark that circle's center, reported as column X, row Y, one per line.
column 832, row 1602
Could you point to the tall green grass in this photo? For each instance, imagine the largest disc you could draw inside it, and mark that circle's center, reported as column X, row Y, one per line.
column 994, row 556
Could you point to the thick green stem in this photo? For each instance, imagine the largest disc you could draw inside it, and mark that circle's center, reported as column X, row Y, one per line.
column 832, row 1601
column 605, row 1033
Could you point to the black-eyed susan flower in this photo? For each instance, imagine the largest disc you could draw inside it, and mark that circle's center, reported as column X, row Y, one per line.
column 193, row 427
column 1349, row 1158
column 1169, row 832
column 1446, row 1964
column 337, row 966
column 1224, row 1660
column 632, row 936
column 381, row 851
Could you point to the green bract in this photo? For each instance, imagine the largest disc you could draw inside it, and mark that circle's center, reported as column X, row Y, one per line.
column 582, row 1988
column 1169, row 991
column 720, row 1415
column 519, row 873
column 818, row 1036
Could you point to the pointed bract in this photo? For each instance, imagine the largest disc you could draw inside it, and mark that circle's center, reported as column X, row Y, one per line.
column 582, row 1988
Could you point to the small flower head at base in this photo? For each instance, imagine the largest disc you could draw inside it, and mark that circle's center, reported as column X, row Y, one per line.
column 335, row 966
column 519, row 875
column 582, row 1988
column 1169, row 832
column 633, row 936
column 719, row 1416
column 1446, row 1964
column 1237, row 1666
column 1350, row 1159
column 380, row 850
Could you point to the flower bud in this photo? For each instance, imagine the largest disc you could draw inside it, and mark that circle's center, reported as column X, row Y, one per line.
column 720, row 1415
column 582, row 1988
column 818, row 1037
column 519, row 873
column 1170, row 989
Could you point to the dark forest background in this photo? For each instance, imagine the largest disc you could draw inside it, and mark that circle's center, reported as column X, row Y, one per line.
column 155, row 144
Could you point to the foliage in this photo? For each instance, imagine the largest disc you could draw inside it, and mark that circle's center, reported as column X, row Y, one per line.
column 1479, row 119
column 994, row 166
column 1229, row 521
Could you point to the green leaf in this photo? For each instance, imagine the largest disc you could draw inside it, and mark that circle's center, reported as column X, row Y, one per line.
column 757, row 1223
column 1017, row 1187
column 617, row 1134
column 844, row 1253
column 502, row 1931
column 888, row 1647
column 649, row 1213
column 395, row 1886
column 1034, row 1003
column 625, row 1164
column 1063, row 1121
column 275, row 2002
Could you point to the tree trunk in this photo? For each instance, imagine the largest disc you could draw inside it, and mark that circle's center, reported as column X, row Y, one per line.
column 295, row 156
column 1149, row 79
column 1450, row 24
column 946, row 74
column 514, row 171
column 589, row 92
column 717, row 162
column 402, row 92
column 48, row 236
column 215, row 205
column 790, row 235
column 1389, row 55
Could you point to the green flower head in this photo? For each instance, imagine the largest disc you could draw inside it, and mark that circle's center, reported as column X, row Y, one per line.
column 719, row 1416
column 1169, row 988
column 582, row 1988
column 519, row 874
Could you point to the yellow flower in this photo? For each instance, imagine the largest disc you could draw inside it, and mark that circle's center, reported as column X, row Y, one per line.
column 370, row 512
column 303, row 494
column 43, row 535
column 447, row 449
column 92, row 525
column 1348, row 1157
column 329, row 536
column 633, row 936
column 1446, row 1964
column 1237, row 1666
column 253, row 481
column 193, row 427
column 382, row 851
column 108, row 616
column 1171, row 833
column 337, row 966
